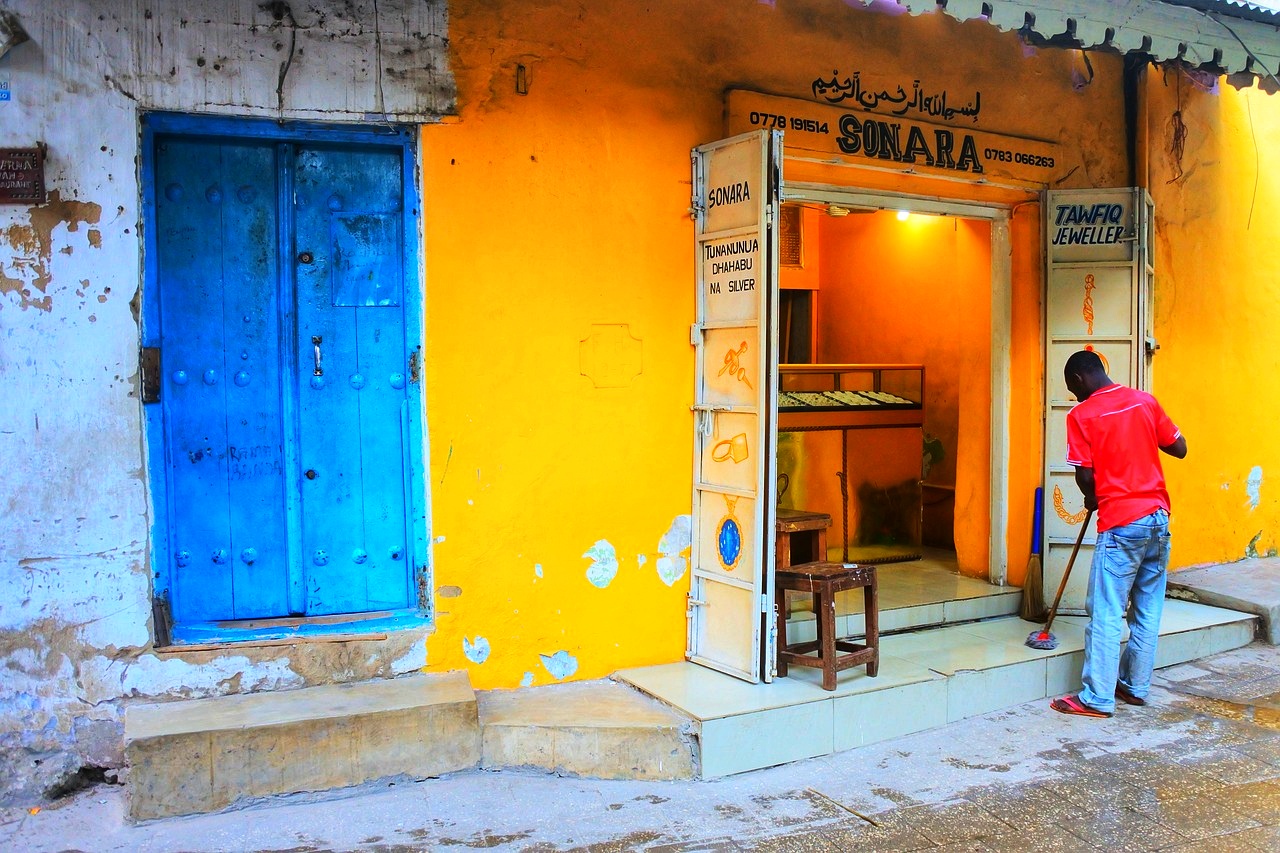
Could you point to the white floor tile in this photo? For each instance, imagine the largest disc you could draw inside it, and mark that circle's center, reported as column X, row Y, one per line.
column 705, row 694
column 976, row 692
column 872, row 717
column 777, row 736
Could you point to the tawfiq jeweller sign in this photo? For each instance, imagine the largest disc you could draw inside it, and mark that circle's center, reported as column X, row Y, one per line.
column 892, row 141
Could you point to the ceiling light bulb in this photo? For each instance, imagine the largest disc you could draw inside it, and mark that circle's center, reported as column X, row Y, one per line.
column 903, row 214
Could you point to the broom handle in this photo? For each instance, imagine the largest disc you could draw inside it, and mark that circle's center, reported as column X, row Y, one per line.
column 1057, row 599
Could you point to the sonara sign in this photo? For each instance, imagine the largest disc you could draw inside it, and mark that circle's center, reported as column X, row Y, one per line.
column 856, row 136
column 883, row 140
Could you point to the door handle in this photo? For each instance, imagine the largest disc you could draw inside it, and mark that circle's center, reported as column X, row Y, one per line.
column 315, row 342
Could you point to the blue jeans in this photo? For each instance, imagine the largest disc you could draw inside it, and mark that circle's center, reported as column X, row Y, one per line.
column 1129, row 562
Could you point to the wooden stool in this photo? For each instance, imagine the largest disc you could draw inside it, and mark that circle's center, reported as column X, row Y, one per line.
column 812, row 530
column 824, row 580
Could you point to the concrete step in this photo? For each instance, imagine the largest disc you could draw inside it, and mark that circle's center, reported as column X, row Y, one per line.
column 203, row 755
column 598, row 729
column 1251, row 586
column 927, row 678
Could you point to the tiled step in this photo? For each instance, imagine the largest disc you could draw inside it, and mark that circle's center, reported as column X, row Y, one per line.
column 912, row 596
column 927, row 678
column 205, row 754
column 599, row 729
column 897, row 617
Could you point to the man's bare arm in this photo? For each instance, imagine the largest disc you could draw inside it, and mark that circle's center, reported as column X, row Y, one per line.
column 1084, row 479
column 1178, row 449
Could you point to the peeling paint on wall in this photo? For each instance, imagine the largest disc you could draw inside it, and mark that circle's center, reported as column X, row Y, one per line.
column 1253, row 487
column 561, row 665
column 604, row 564
column 28, row 270
column 414, row 659
column 674, row 544
column 527, row 680
column 477, row 652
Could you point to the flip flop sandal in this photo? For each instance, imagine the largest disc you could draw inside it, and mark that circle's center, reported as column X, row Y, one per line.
column 1126, row 697
column 1073, row 706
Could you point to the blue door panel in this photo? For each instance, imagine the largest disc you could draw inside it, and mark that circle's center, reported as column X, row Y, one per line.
column 189, row 249
column 217, row 270
column 285, row 398
column 348, row 220
column 255, row 432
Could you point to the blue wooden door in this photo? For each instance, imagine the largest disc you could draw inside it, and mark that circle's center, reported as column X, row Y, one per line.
column 279, row 281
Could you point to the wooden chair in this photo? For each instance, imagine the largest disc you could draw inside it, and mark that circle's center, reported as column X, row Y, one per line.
column 823, row 580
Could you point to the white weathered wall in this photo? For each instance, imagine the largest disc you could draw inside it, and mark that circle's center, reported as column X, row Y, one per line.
column 75, row 590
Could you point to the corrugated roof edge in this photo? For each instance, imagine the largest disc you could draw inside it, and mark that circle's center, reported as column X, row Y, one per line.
column 1232, row 9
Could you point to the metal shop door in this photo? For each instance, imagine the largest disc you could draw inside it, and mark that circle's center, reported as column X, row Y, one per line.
column 1098, row 251
column 736, row 204
column 286, row 380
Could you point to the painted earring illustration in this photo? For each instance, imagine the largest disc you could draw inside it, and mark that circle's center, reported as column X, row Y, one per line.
column 1088, row 303
column 733, row 365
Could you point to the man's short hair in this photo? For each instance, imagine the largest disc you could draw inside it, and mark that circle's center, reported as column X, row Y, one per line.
column 1084, row 363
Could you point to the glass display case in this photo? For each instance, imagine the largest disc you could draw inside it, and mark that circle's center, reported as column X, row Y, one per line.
column 849, row 396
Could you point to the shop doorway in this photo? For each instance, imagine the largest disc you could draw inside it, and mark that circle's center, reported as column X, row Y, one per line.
column 897, row 299
column 817, row 402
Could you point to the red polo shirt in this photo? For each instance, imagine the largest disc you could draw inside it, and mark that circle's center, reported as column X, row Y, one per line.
column 1118, row 432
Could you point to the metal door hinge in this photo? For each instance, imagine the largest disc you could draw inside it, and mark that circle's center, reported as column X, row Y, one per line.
column 415, row 365
column 149, row 366
column 764, row 603
column 162, row 621
column 424, row 590
column 695, row 334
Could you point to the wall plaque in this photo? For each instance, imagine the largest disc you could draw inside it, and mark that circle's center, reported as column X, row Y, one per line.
column 22, row 176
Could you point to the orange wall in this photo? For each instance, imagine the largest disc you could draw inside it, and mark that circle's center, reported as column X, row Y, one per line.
column 1026, row 384
column 551, row 215
column 1217, row 305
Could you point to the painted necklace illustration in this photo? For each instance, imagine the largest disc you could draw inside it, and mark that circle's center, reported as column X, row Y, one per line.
column 1060, row 507
column 729, row 537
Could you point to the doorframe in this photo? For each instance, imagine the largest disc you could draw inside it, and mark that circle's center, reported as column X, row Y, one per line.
column 999, row 215
column 404, row 137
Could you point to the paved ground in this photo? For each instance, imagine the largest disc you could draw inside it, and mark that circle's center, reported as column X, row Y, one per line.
column 1198, row 769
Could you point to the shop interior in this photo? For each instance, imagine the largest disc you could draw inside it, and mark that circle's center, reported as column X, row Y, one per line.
column 884, row 420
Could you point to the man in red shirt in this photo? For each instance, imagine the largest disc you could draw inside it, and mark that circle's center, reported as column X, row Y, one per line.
column 1114, row 438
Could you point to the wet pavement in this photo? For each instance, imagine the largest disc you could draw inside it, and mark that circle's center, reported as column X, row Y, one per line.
column 1197, row 769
